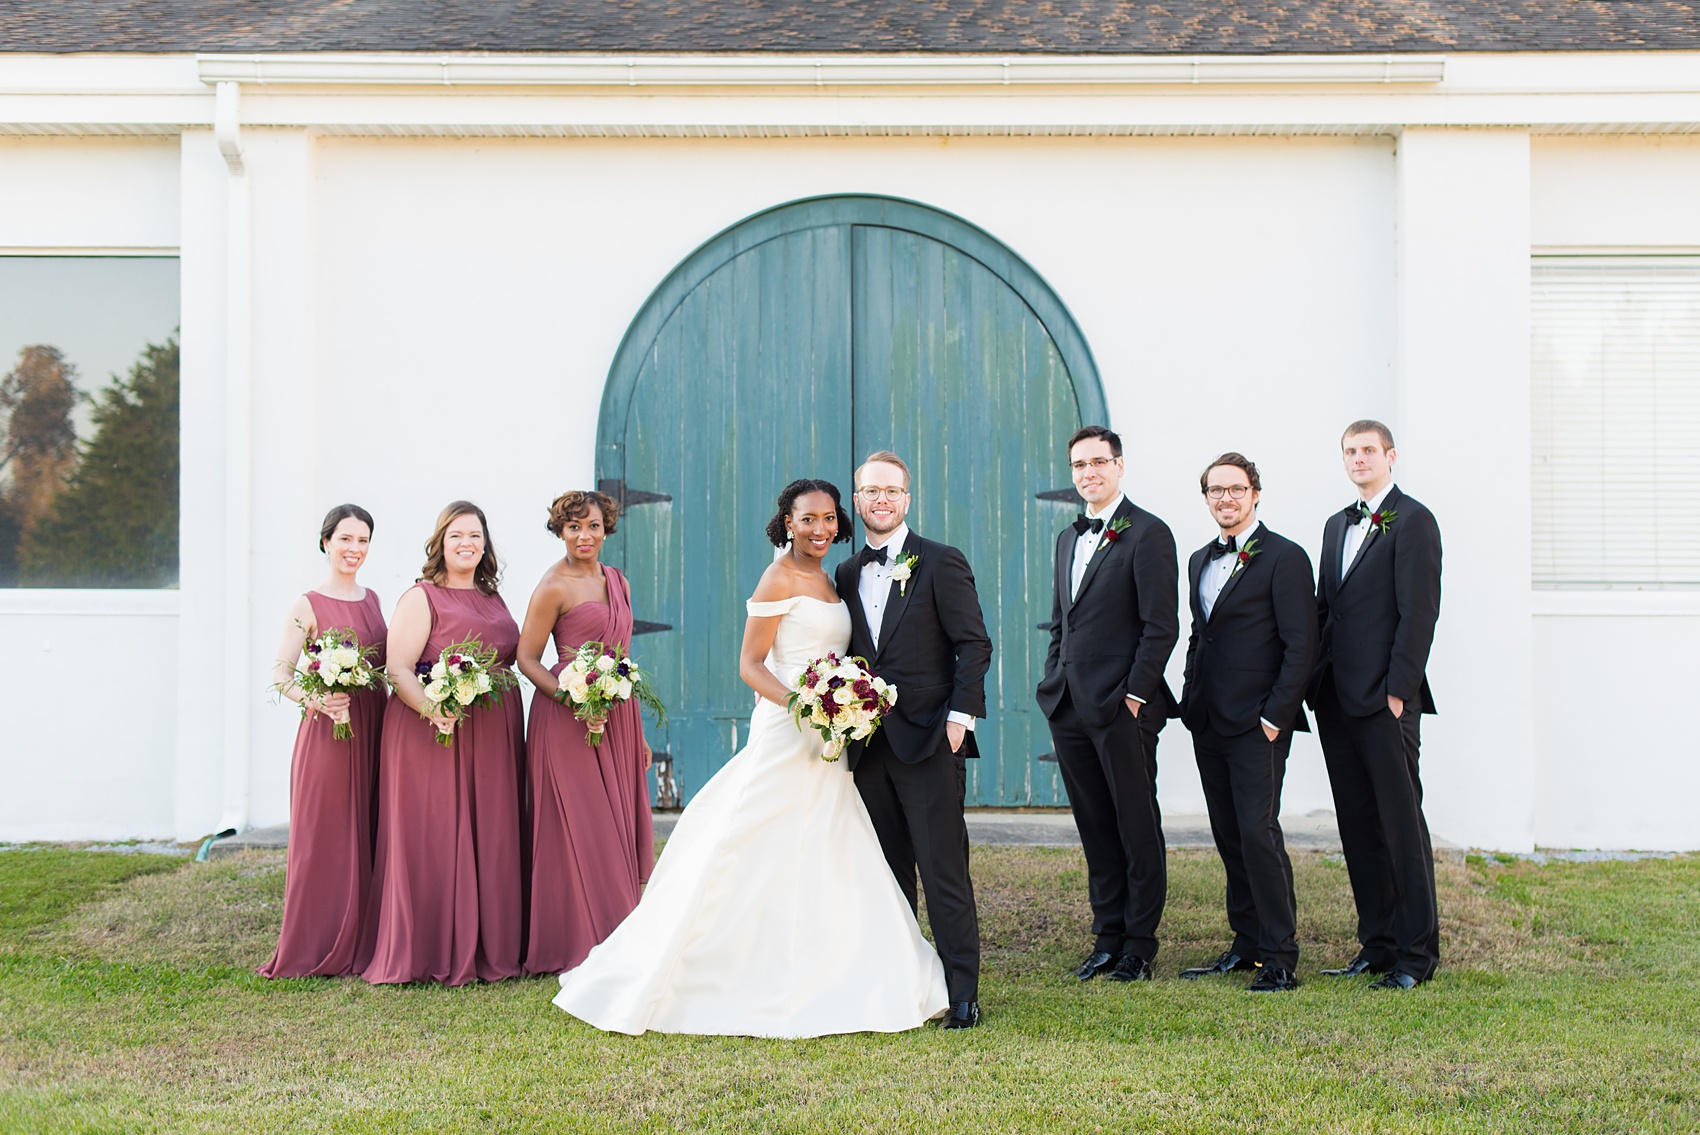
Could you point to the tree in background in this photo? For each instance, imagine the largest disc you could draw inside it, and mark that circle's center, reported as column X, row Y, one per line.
column 115, row 523
column 38, row 446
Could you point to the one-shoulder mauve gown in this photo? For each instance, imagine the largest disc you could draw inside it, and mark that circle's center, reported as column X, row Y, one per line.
column 772, row 911
column 592, row 844
column 448, row 879
column 332, row 813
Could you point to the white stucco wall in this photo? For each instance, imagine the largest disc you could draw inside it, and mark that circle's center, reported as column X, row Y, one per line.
column 434, row 318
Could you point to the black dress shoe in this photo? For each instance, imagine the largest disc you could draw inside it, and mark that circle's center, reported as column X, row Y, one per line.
column 1130, row 967
column 1395, row 979
column 1096, row 963
column 1273, row 979
column 962, row 1015
column 1353, row 968
column 1229, row 962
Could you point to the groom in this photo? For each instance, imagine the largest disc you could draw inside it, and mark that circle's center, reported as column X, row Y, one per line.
column 915, row 616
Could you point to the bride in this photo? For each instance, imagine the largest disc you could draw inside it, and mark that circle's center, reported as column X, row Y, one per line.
column 772, row 911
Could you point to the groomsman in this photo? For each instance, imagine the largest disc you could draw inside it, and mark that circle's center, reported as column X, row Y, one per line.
column 1248, row 664
column 1378, row 597
column 1113, row 626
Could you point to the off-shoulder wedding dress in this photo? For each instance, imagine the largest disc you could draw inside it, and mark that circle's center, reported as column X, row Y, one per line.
column 772, row 911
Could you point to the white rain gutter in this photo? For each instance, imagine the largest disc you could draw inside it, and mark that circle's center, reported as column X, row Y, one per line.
column 471, row 70
column 238, row 472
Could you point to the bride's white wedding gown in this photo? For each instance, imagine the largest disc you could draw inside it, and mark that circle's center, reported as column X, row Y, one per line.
column 772, row 911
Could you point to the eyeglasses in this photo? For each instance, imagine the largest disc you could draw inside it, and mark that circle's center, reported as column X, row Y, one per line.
column 1217, row 492
column 872, row 493
column 1095, row 463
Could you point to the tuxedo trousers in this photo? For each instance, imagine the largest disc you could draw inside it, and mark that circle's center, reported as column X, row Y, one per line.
column 916, row 811
column 1110, row 772
column 1242, row 777
column 1378, row 800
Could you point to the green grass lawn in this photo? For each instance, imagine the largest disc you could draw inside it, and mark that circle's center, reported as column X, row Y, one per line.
column 1569, row 1001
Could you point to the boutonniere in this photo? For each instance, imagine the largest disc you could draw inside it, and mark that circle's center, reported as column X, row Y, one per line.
column 1113, row 531
column 1378, row 521
column 901, row 570
column 1245, row 554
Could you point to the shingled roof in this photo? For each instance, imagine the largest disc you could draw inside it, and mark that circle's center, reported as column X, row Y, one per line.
column 823, row 26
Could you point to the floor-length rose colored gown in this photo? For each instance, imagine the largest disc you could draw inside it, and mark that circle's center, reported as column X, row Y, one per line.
column 448, row 883
column 332, row 806
column 592, row 845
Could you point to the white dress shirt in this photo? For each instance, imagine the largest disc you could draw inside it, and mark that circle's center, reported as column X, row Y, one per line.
column 1087, row 542
column 1218, row 571
column 873, row 587
column 1359, row 532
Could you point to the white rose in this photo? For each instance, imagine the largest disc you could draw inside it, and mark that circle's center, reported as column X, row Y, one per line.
column 890, row 695
column 483, row 683
column 345, row 656
column 437, row 692
column 465, row 691
column 901, row 572
column 605, row 663
column 625, row 688
column 439, row 670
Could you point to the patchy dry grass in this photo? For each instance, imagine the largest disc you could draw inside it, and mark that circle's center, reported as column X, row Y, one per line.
column 1567, row 1004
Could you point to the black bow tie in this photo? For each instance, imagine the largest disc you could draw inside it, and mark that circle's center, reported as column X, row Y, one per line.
column 1356, row 511
column 1217, row 549
column 1083, row 522
column 872, row 556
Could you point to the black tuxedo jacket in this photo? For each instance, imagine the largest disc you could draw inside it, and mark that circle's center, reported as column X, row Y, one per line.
column 1377, row 623
column 933, row 647
column 1115, row 637
column 1253, row 657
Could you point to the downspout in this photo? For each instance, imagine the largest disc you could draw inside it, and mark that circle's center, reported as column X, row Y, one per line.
column 238, row 459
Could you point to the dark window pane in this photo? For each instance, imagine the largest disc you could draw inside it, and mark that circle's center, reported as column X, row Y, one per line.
column 88, row 421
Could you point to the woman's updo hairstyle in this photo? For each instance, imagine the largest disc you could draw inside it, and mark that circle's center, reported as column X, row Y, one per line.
column 339, row 514
column 803, row 486
column 576, row 505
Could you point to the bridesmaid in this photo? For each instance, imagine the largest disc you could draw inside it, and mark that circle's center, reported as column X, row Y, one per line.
column 448, row 882
column 331, row 782
column 592, row 846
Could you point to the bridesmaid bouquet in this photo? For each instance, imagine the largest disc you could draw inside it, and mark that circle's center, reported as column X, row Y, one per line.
column 336, row 663
column 840, row 699
column 599, row 677
column 463, row 673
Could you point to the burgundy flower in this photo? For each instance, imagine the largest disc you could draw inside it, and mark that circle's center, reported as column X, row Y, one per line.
column 313, row 666
column 1111, row 535
column 453, row 660
column 1375, row 519
column 810, row 679
column 863, row 687
column 1245, row 557
column 314, row 648
column 834, row 682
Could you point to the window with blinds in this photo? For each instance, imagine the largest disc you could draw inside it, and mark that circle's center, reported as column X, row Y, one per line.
column 1616, row 385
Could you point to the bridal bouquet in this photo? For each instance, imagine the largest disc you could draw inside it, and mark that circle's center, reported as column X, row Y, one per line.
column 601, row 676
column 840, row 699
column 336, row 663
column 463, row 673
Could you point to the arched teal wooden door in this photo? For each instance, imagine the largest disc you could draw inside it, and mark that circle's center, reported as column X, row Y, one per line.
column 793, row 344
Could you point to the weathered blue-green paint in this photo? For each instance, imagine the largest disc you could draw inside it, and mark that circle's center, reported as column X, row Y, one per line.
column 792, row 344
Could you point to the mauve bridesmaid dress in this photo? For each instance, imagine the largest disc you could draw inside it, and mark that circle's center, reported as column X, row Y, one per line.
column 592, row 844
column 331, row 810
column 448, row 883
